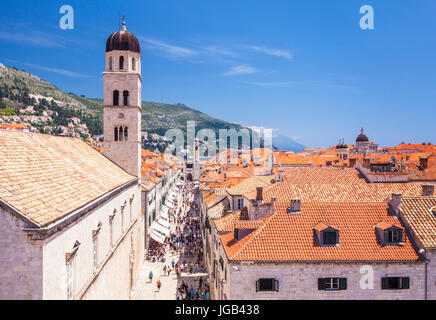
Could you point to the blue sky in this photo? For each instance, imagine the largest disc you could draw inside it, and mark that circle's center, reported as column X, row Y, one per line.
column 304, row 68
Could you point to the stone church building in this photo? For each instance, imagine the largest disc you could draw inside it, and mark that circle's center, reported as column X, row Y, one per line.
column 71, row 222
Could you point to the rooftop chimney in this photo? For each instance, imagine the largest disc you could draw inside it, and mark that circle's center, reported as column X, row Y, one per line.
column 259, row 196
column 427, row 190
column 423, row 162
column 395, row 202
column 295, row 206
column 352, row 162
column 366, row 163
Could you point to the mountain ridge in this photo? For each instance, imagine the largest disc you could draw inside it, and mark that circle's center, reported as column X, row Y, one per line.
column 19, row 89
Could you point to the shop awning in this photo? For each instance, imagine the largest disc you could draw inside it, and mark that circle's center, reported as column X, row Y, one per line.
column 158, row 227
column 164, row 223
column 157, row 236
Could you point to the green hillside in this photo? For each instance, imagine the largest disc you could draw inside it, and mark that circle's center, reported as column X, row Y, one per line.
column 17, row 88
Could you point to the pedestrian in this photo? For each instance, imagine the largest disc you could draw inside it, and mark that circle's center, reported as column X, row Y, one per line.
column 150, row 276
column 169, row 271
column 158, row 285
column 165, row 269
column 173, row 263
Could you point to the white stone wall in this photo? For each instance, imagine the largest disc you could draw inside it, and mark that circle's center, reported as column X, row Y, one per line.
column 20, row 260
column 122, row 81
column 111, row 279
column 300, row 281
column 128, row 60
column 431, row 273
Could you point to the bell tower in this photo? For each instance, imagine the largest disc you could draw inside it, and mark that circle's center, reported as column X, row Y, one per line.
column 122, row 101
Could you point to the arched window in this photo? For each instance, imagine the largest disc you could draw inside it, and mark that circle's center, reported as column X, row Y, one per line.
column 110, row 63
column 125, row 98
column 116, row 133
column 133, row 64
column 126, row 134
column 116, row 97
column 121, row 134
column 121, row 63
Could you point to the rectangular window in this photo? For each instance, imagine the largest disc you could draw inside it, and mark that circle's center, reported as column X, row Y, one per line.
column 329, row 237
column 111, row 232
column 332, row 283
column 122, row 219
column 70, row 279
column 393, row 236
column 267, row 284
column 95, row 247
column 395, row 283
column 239, row 203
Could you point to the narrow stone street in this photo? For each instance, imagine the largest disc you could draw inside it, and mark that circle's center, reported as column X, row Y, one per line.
column 148, row 291
column 185, row 228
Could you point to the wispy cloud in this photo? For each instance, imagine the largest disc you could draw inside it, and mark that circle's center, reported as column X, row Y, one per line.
column 42, row 40
column 220, row 51
column 241, row 69
column 58, row 71
column 170, row 50
column 282, row 53
column 273, row 84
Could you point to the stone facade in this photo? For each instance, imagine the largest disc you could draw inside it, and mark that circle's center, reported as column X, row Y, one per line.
column 35, row 266
column 20, row 260
column 300, row 280
column 123, row 114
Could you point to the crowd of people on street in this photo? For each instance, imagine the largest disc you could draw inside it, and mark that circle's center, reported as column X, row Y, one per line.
column 200, row 291
column 185, row 239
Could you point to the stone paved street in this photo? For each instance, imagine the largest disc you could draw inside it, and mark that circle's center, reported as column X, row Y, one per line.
column 145, row 290
column 148, row 291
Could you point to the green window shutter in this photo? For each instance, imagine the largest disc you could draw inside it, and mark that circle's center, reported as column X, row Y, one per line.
column 384, row 283
column 406, row 283
column 321, row 284
column 276, row 285
column 343, row 284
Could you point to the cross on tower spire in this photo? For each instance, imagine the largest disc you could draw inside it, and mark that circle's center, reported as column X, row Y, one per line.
column 124, row 24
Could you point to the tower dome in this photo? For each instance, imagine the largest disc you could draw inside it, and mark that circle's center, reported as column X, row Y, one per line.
column 362, row 137
column 341, row 145
column 123, row 40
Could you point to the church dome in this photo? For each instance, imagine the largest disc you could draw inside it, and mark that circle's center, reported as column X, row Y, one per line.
column 341, row 145
column 362, row 137
column 122, row 40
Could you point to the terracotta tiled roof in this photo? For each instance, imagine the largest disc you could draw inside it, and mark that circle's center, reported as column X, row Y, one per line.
column 298, row 159
column 419, row 215
column 290, row 237
column 322, row 175
column 210, row 198
column 384, row 225
column 250, row 184
column 322, row 226
column 218, row 209
column 248, row 224
column 377, row 192
column 46, row 177
column 226, row 223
